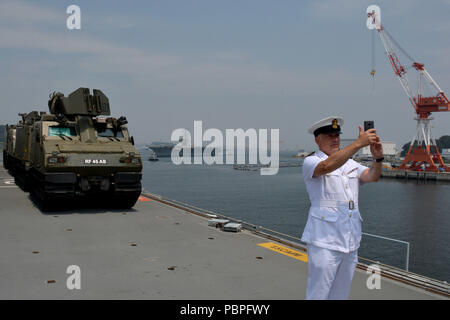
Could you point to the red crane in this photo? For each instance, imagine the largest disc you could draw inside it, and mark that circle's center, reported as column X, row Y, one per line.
column 425, row 155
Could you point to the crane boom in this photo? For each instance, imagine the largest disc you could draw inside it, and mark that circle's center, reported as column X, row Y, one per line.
column 420, row 157
column 422, row 105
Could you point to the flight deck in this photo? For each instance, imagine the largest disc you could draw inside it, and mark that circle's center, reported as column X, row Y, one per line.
column 156, row 250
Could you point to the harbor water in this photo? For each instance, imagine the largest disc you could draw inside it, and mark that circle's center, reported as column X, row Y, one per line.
column 411, row 211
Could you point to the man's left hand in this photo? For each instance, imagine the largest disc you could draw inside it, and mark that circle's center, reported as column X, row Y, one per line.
column 376, row 149
column 373, row 174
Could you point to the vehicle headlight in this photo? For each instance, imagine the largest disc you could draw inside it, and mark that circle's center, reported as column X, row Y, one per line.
column 52, row 160
column 55, row 160
column 130, row 160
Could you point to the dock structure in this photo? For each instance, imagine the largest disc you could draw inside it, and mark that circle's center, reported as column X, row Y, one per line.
column 257, row 167
column 416, row 175
column 160, row 249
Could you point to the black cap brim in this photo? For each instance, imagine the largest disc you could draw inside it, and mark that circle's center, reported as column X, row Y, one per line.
column 327, row 130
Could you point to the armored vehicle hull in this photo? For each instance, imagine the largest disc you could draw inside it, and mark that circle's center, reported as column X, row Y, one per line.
column 74, row 153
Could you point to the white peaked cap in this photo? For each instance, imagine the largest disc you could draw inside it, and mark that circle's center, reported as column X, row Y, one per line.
column 326, row 122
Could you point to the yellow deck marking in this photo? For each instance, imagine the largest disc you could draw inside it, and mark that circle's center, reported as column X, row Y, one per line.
column 285, row 250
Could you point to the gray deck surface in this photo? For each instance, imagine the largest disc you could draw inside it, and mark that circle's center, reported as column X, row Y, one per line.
column 101, row 242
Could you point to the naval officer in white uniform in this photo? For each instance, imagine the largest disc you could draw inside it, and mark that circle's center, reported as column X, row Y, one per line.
column 333, row 229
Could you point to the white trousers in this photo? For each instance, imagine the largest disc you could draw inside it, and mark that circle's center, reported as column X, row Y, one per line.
column 330, row 273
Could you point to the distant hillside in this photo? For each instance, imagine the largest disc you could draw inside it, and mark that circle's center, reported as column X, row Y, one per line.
column 442, row 143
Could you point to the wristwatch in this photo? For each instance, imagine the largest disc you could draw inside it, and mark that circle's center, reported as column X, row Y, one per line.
column 379, row 160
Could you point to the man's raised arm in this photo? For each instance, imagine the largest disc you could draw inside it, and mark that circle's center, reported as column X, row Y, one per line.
column 338, row 159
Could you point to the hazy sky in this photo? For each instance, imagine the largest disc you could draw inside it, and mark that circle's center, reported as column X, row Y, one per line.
column 233, row 64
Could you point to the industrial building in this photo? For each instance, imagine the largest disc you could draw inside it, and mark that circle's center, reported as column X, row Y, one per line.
column 446, row 154
column 389, row 149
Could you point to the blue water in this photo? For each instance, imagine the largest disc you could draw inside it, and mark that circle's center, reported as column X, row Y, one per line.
column 418, row 213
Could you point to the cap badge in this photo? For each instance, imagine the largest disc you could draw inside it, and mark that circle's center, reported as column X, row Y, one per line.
column 334, row 124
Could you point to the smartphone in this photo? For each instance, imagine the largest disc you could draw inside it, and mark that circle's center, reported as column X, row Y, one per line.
column 368, row 125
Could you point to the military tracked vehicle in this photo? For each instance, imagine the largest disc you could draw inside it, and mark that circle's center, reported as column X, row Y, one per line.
column 74, row 152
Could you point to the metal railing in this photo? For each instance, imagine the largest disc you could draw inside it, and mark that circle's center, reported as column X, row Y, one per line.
column 395, row 240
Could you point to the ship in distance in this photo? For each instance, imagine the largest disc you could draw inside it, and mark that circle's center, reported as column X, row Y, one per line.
column 153, row 157
column 161, row 149
column 164, row 149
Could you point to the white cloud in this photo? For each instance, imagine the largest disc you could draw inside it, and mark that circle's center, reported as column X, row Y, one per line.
column 19, row 12
column 222, row 71
column 59, row 43
column 230, row 56
column 336, row 9
column 345, row 10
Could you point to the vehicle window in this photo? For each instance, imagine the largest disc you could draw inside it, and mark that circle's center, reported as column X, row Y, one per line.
column 109, row 132
column 58, row 130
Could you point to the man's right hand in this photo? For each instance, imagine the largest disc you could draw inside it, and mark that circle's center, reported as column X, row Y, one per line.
column 367, row 137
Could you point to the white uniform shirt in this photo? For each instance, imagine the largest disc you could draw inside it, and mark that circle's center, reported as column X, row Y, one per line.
column 334, row 222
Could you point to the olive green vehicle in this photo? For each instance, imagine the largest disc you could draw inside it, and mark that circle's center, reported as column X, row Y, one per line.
column 74, row 152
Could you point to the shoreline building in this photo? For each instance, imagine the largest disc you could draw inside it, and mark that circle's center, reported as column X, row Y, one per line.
column 446, row 154
column 389, row 149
